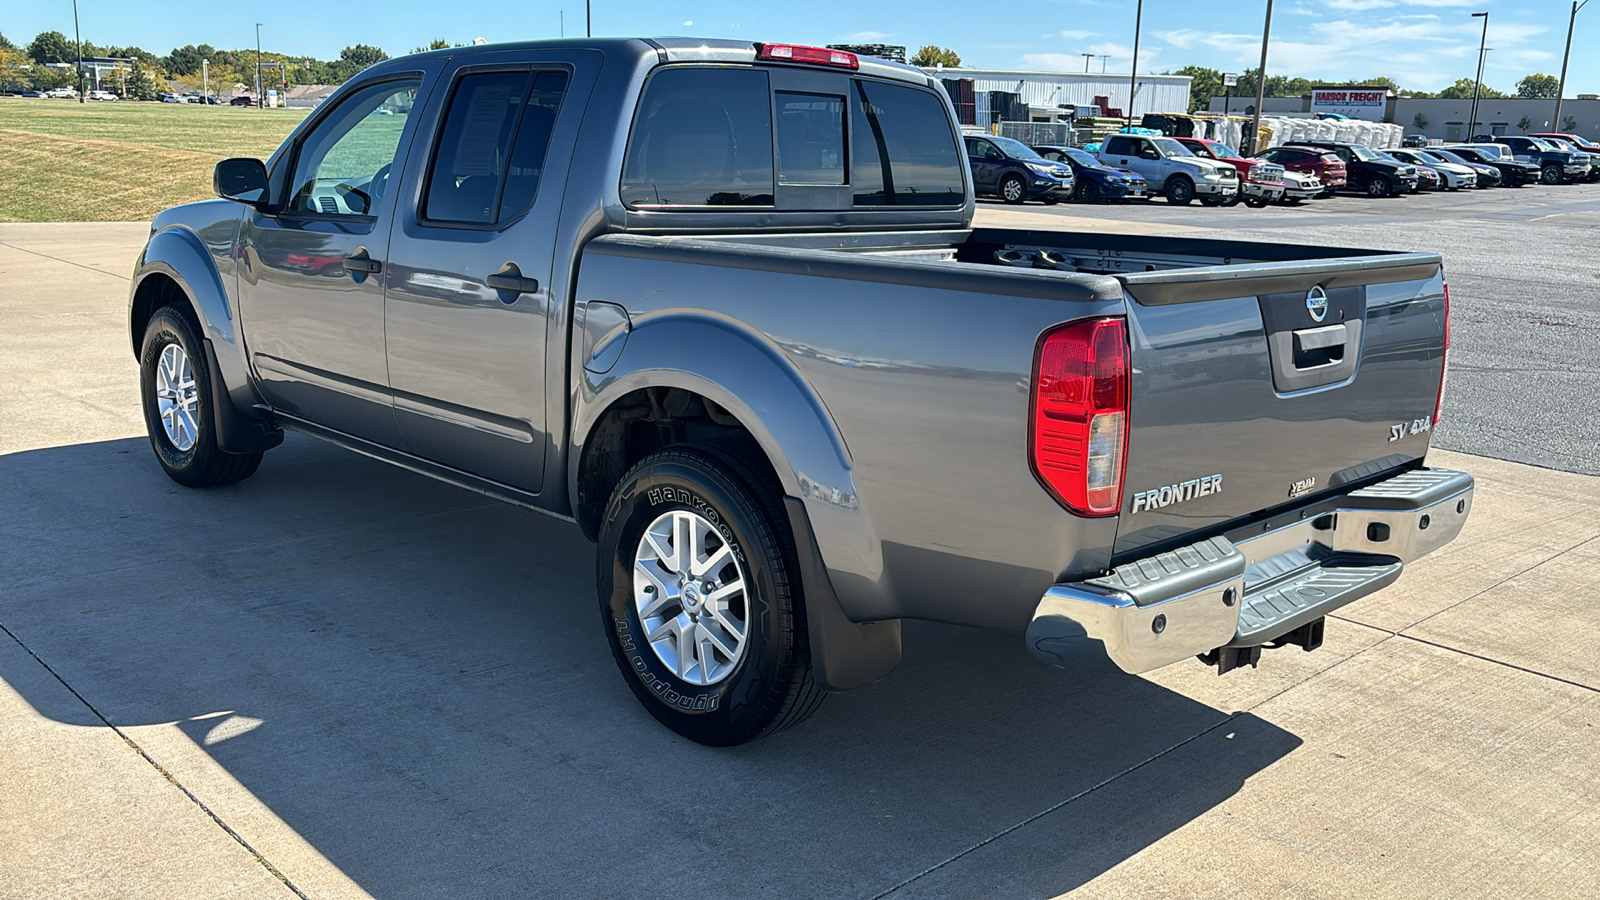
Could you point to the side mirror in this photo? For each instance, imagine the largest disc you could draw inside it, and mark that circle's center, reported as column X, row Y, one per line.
column 1150, row 154
column 242, row 180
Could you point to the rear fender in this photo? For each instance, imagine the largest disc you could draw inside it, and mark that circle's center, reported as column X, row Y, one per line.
column 751, row 378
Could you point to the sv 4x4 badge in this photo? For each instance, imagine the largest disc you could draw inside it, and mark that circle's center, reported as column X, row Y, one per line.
column 1407, row 429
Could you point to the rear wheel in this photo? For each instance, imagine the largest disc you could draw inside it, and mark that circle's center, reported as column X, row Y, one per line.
column 1013, row 189
column 175, row 389
column 1180, row 191
column 1550, row 175
column 700, row 595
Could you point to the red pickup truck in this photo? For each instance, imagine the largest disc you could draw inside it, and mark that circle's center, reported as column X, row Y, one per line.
column 1326, row 165
column 1260, row 182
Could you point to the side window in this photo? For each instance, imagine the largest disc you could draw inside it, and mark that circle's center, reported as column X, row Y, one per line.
column 702, row 137
column 342, row 166
column 492, row 145
column 1120, row 146
column 975, row 147
column 902, row 151
column 810, row 138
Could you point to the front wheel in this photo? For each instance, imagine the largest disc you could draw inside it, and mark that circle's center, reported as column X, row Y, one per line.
column 1013, row 190
column 1088, row 192
column 1180, row 191
column 1550, row 175
column 1378, row 187
column 175, row 390
column 1257, row 202
column 700, row 596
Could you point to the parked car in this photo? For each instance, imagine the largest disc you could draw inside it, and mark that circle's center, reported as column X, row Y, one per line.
column 1260, row 182
column 1171, row 169
column 106, row 96
column 1325, row 166
column 1369, row 172
column 35, row 95
column 1573, row 142
column 1414, row 140
column 171, row 98
column 61, row 94
column 1512, row 173
column 1096, row 183
column 242, row 101
column 1009, row 169
column 653, row 321
column 1453, row 176
column 1555, row 165
column 1300, row 186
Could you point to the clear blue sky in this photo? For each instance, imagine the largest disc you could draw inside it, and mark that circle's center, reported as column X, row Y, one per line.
column 1425, row 44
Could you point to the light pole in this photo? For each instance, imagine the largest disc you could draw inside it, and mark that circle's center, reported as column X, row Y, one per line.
column 1561, row 87
column 1133, row 74
column 1086, row 58
column 1261, row 86
column 588, row 19
column 205, row 80
column 1103, row 58
column 79, row 36
column 261, row 102
column 1477, row 86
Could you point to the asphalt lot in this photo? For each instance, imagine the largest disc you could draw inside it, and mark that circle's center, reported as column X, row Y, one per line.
column 339, row 679
column 1524, row 282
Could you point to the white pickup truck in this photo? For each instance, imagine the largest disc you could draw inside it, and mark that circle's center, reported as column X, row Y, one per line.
column 1171, row 169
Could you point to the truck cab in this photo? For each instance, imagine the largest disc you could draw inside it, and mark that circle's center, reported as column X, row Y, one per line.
column 1261, row 182
column 1172, row 169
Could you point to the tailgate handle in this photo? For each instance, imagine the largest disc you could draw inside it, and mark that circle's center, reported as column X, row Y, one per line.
column 1323, row 346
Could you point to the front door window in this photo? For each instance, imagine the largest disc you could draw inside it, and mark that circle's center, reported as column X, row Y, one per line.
column 342, row 167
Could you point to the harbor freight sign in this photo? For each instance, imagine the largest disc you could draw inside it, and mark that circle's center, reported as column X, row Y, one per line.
column 1368, row 103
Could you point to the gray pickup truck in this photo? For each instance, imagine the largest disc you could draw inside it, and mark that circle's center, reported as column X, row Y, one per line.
column 722, row 306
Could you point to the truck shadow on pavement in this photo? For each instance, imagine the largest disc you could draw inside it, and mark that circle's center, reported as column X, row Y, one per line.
column 415, row 680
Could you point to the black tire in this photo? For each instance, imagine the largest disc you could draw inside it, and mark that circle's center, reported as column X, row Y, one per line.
column 1257, row 202
column 1088, row 192
column 1014, row 190
column 1214, row 201
column 1235, row 200
column 1378, row 187
column 1550, row 175
column 770, row 686
column 1051, row 201
column 1292, row 201
column 204, row 464
column 1179, row 191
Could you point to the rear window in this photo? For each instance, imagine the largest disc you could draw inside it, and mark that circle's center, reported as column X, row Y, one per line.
column 710, row 136
column 901, row 148
column 703, row 137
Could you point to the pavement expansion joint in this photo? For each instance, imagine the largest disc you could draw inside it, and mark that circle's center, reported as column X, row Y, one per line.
column 1107, row 781
column 161, row 770
column 63, row 261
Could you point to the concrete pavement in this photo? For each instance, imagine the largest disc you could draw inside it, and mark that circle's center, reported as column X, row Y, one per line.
column 339, row 679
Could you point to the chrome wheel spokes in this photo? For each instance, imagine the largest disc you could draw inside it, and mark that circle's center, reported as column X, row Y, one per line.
column 177, row 398
column 689, row 590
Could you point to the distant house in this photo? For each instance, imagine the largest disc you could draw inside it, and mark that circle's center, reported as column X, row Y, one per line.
column 305, row 96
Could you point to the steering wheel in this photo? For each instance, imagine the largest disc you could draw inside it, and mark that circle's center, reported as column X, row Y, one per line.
column 379, row 183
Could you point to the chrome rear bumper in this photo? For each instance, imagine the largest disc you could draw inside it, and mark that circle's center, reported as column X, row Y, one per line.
column 1219, row 593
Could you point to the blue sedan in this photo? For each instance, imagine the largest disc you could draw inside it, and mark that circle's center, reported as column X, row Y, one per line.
column 1096, row 182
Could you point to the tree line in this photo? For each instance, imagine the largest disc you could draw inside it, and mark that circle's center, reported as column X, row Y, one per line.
column 30, row 67
column 1205, row 84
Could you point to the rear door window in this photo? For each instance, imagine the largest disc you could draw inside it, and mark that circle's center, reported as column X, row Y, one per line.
column 492, row 146
column 702, row 137
column 901, row 148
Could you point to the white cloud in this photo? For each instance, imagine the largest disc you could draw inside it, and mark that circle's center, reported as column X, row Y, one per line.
column 688, row 22
column 1074, row 35
column 1359, row 5
column 868, row 36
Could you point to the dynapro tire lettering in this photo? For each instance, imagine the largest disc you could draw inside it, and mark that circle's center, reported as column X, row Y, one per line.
column 1156, row 498
column 697, row 702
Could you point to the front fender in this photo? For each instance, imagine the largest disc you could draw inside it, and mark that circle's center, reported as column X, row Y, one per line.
column 752, row 379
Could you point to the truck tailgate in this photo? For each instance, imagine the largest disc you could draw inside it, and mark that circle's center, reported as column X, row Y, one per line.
column 1256, row 386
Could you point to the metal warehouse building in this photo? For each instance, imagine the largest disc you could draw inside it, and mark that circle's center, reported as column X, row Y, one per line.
column 1050, row 96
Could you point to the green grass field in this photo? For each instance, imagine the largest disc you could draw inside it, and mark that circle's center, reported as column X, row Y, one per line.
column 107, row 162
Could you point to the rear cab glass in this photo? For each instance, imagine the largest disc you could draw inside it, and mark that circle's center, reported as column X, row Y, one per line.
column 715, row 136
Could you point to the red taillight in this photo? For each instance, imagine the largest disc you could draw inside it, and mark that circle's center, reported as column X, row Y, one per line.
column 816, row 56
column 1444, row 360
column 1079, row 425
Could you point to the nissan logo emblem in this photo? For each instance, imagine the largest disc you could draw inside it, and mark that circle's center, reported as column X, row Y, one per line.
column 1317, row 303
